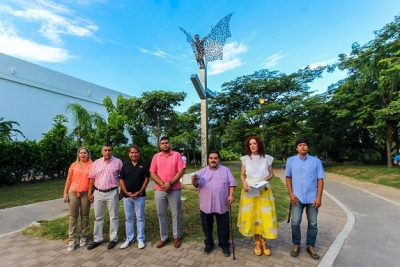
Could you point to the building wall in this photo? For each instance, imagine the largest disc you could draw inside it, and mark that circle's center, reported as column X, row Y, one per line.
column 33, row 95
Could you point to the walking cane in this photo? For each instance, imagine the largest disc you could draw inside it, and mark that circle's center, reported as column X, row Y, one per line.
column 288, row 217
column 233, row 243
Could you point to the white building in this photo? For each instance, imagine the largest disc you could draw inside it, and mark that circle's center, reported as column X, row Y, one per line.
column 33, row 95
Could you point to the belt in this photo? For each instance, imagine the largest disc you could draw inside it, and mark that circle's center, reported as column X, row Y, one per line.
column 105, row 191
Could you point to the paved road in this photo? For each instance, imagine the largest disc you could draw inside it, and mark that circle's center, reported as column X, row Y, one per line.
column 375, row 237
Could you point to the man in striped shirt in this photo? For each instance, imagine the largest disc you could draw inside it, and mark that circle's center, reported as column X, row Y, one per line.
column 103, row 192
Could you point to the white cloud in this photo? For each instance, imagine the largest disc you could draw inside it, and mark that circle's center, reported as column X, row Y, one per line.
column 273, row 60
column 46, row 18
column 230, row 59
column 11, row 44
column 321, row 63
column 53, row 25
column 157, row 53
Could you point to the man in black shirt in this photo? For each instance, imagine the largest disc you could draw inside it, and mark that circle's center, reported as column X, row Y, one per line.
column 134, row 178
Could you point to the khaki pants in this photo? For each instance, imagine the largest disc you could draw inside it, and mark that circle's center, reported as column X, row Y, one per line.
column 78, row 205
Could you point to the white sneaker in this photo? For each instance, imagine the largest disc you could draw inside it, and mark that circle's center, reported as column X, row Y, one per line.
column 82, row 243
column 141, row 244
column 126, row 244
column 71, row 247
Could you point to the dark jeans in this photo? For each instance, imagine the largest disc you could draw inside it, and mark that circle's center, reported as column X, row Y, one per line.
column 207, row 220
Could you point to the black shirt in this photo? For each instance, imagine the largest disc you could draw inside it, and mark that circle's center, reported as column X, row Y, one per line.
column 134, row 176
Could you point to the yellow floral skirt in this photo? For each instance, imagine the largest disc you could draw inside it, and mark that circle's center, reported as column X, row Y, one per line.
column 257, row 215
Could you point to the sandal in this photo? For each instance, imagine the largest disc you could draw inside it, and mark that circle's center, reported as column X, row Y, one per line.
column 257, row 248
column 265, row 248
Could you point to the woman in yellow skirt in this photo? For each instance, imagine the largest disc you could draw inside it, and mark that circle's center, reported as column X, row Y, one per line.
column 257, row 215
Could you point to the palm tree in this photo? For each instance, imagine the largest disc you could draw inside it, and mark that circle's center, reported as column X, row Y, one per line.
column 6, row 128
column 83, row 120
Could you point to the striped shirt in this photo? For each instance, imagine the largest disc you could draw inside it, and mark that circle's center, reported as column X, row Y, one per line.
column 105, row 173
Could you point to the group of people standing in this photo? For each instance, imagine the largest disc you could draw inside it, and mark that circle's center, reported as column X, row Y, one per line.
column 97, row 182
column 257, row 215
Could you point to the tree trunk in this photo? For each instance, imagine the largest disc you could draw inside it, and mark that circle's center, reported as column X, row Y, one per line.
column 389, row 139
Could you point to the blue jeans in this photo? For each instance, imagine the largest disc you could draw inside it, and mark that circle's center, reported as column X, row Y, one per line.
column 132, row 206
column 312, row 229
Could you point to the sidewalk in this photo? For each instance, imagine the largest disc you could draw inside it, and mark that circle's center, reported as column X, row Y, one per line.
column 18, row 250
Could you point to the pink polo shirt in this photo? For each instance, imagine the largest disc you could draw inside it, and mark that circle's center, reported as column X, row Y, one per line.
column 166, row 167
column 105, row 173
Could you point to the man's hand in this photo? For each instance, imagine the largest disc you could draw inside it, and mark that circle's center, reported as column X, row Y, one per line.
column 317, row 203
column 166, row 187
column 195, row 181
column 90, row 198
column 231, row 199
column 293, row 200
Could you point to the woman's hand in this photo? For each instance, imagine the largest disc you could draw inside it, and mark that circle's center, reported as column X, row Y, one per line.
column 65, row 197
column 246, row 187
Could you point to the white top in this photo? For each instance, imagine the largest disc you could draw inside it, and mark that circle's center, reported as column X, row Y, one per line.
column 256, row 166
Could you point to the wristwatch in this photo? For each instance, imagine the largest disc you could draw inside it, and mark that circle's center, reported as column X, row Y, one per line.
column 171, row 183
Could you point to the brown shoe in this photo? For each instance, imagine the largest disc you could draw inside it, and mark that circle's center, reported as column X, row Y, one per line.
column 310, row 250
column 177, row 242
column 295, row 251
column 161, row 243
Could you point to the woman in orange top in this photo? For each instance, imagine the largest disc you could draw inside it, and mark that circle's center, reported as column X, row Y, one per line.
column 76, row 194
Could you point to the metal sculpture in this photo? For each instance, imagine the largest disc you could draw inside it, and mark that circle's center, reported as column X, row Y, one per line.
column 211, row 47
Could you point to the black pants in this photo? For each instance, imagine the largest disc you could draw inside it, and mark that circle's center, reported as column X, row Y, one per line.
column 207, row 220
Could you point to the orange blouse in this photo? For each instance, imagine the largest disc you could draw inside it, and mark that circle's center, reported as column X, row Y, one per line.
column 80, row 176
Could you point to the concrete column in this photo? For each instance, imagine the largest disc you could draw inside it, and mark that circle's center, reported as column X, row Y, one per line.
column 204, row 119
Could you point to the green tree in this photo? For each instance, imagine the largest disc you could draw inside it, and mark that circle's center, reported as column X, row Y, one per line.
column 236, row 112
column 57, row 150
column 83, row 121
column 158, row 112
column 114, row 130
column 186, row 132
column 372, row 84
column 7, row 129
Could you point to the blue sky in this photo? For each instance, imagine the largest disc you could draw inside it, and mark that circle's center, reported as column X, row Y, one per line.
column 134, row 46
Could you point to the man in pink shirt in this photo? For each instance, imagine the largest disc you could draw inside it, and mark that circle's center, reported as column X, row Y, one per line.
column 103, row 192
column 166, row 169
column 216, row 186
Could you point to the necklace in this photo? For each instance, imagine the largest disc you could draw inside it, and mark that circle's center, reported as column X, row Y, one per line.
column 83, row 164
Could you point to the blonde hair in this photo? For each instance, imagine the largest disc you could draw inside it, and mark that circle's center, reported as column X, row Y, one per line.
column 87, row 150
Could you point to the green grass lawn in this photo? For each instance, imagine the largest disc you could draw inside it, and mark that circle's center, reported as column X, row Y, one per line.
column 191, row 226
column 18, row 195
column 378, row 174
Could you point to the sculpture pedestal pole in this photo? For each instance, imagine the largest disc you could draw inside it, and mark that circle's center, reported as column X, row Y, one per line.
column 201, row 87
